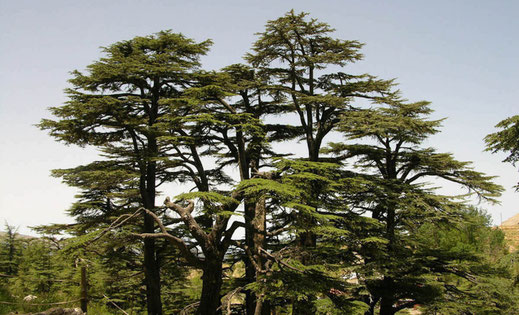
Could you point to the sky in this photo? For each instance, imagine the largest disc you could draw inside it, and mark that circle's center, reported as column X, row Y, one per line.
column 460, row 55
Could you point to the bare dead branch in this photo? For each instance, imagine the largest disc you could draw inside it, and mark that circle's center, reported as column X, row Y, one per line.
column 178, row 242
column 185, row 214
column 186, row 309
column 228, row 298
column 229, row 233
column 278, row 231
column 247, row 250
column 117, row 223
column 279, row 261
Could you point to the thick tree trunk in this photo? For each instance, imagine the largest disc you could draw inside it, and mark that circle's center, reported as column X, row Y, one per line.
column 250, row 271
column 372, row 304
column 387, row 300
column 386, row 306
column 151, row 264
column 262, row 308
column 259, row 226
column 255, row 232
column 212, row 284
column 308, row 240
column 151, row 272
column 266, row 309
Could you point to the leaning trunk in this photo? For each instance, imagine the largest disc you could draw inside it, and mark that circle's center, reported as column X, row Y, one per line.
column 211, row 286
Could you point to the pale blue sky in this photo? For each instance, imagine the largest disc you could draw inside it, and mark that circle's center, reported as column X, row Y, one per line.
column 460, row 55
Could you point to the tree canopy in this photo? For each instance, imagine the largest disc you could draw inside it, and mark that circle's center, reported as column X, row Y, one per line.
column 346, row 228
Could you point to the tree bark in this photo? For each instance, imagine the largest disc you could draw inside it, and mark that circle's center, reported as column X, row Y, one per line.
column 372, row 303
column 250, row 270
column 151, row 271
column 308, row 239
column 259, row 228
column 386, row 306
column 151, row 264
column 212, row 284
column 262, row 308
column 387, row 300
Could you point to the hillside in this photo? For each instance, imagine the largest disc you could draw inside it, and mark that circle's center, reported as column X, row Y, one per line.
column 511, row 229
column 20, row 236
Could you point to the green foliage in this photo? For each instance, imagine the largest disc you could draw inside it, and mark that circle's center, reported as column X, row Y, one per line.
column 511, row 262
column 42, row 273
column 37, row 270
column 362, row 208
column 10, row 251
column 306, row 41
column 394, row 191
column 506, row 140
column 119, row 105
column 296, row 54
column 210, row 199
column 475, row 273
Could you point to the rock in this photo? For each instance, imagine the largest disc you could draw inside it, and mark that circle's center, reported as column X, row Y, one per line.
column 30, row 298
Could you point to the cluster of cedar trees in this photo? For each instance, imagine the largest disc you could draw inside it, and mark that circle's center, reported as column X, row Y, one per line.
column 302, row 223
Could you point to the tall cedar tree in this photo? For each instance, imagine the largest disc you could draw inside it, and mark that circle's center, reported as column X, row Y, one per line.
column 116, row 107
column 395, row 170
column 299, row 57
column 239, row 96
column 292, row 276
column 107, row 190
column 220, row 118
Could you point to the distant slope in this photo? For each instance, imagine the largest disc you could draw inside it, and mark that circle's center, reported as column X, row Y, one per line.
column 511, row 229
column 22, row 236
